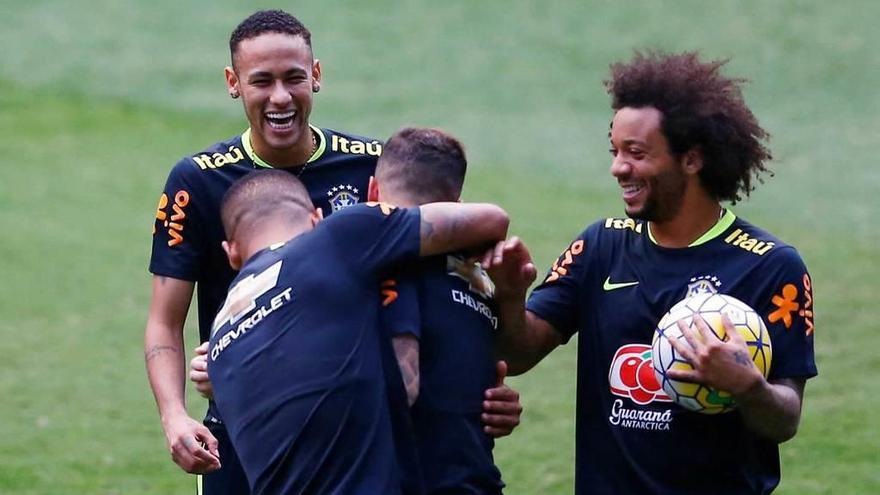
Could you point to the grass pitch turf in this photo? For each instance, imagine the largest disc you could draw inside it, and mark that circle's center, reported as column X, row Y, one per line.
column 98, row 102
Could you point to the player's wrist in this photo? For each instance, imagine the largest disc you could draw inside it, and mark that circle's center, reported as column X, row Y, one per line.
column 510, row 297
column 753, row 390
column 173, row 415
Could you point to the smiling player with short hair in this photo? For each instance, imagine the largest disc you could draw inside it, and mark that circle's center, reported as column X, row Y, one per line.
column 275, row 75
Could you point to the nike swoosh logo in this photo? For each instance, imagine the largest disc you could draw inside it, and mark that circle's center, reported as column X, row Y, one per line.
column 608, row 285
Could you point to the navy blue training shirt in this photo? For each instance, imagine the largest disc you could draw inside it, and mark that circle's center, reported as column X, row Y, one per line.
column 187, row 231
column 446, row 302
column 295, row 357
column 612, row 285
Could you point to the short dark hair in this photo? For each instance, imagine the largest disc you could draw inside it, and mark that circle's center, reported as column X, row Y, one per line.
column 263, row 196
column 425, row 164
column 701, row 109
column 267, row 21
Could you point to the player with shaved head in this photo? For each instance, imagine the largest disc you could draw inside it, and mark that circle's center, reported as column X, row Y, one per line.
column 299, row 383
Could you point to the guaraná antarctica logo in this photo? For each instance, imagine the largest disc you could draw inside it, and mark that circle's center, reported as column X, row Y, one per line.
column 632, row 376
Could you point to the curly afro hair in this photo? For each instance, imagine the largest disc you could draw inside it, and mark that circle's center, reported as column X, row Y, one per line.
column 701, row 109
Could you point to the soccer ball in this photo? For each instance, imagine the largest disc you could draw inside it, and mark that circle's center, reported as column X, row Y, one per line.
column 748, row 323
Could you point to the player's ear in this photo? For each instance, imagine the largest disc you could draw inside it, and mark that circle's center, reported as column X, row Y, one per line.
column 693, row 160
column 232, row 82
column 373, row 190
column 316, row 76
column 232, row 254
column 317, row 216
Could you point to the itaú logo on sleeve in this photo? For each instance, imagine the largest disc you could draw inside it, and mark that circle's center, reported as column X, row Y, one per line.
column 632, row 375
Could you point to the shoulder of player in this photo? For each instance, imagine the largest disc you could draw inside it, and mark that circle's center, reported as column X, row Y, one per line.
column 264, row 259
column 370, row 208
column 600, row 232
column 749, row 238
column 340, row 143
column 218, row 156
column 612, row 228
column 358, row 217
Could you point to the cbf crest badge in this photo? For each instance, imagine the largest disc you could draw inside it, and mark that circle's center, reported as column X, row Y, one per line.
column 704, row 284
column 342, row 196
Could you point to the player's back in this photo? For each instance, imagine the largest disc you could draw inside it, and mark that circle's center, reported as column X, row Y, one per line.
column 295, row 360
column 447, row 301
column 188, row 230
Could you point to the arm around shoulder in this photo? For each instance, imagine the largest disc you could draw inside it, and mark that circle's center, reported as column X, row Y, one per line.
column 449, row 227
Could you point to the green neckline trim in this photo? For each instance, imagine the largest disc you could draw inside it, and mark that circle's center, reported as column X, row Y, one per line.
column 246, row 143
column 322, row 144
column 723, row 223
column 249, row 149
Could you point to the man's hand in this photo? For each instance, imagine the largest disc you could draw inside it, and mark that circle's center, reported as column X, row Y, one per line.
column 771, row 408
column 723, row 365
column 192, row 445
column 198, row 372
column 501, row 409
column 510, row 266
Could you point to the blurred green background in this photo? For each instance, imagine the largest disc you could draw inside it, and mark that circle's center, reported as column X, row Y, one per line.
column 99, row 99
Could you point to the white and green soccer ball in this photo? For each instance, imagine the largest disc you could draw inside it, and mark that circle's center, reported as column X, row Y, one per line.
column 748, row 323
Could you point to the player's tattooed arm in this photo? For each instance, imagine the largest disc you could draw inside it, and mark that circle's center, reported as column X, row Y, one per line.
column 163, row 342
column 771, row 408
column 406, row 348
column 426, row 229
column 157, row 349
column 163, row 353
column 449, row 227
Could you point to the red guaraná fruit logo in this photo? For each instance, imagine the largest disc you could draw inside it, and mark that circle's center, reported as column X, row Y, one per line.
column 632, row 375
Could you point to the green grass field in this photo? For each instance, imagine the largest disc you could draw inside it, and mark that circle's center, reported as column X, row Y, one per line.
column 97, row 102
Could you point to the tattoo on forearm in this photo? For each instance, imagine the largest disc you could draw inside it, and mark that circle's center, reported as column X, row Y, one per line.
column 426, row 229
column 410, row 381
column 407, row 351
column 742, row 358
column 158, row 349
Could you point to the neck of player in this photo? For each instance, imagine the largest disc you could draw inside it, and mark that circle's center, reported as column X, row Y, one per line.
column 294, row 156
column 271, row 235
column 699, row 212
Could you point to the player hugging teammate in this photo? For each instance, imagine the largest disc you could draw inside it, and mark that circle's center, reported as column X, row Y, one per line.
column 275, row 75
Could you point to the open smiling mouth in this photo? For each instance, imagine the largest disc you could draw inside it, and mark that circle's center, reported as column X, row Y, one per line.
column 280, row 120
column 631, row 190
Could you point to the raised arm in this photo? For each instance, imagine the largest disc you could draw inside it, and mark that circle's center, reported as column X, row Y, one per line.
column 164, row 356
column 524, row 338
column 447, row 227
